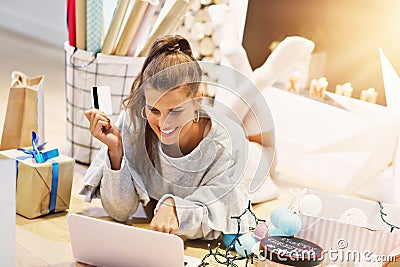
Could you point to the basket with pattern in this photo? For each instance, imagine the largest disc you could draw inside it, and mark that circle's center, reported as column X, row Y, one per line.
column 83, row 70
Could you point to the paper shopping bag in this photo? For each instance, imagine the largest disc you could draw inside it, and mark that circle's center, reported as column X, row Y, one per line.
column 25, row 111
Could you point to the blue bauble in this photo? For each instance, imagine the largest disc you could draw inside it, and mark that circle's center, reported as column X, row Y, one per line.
column 276, row 215
column 273, row 231
column 247, row 242
column 227, row 239
column 290, row 224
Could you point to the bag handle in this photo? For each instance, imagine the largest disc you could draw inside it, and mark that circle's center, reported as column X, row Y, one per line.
column 83, row 65
column 18, row 78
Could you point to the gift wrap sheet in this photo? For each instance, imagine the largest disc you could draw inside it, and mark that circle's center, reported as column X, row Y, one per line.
column 309, row 134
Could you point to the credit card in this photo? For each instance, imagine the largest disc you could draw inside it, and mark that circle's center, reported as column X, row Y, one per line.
column 101, row 99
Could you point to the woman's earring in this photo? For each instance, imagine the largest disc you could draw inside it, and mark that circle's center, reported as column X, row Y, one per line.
column 143, row 113
column 197, row 117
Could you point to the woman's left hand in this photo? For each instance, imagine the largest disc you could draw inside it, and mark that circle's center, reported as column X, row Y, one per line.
column 165, row 220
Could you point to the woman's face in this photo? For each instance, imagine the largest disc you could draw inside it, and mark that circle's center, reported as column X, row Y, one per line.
column 170, row 114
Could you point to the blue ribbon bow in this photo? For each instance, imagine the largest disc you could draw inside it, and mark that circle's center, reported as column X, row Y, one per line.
column 35, row 153
column 41, row 157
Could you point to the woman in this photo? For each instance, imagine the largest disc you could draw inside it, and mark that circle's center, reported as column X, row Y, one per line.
column 166, row 147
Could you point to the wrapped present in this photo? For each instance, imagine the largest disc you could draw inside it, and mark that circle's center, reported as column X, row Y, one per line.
column 351, row 229
column 44, row 179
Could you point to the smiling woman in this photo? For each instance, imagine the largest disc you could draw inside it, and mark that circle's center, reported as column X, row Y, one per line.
column 169, row 149
column 175, row 118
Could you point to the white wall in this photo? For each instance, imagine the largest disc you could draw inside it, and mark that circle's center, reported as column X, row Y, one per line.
column 41, row 19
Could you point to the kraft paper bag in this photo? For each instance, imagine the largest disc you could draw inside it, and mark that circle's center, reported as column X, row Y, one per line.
column 34, row 183
column 25, row 111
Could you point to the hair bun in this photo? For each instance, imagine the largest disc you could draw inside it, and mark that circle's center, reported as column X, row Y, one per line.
column 185, row 46
column 174, row 48
column 179, row 44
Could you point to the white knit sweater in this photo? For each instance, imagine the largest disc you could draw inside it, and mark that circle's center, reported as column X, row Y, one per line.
column 206, row 184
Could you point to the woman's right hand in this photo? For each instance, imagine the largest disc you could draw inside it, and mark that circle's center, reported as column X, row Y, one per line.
column 109, row 134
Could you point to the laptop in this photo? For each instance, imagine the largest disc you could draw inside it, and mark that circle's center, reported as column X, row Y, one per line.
column 103, row 243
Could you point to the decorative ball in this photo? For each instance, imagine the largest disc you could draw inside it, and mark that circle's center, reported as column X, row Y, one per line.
column 273, row 231
column 261, row 230
column 247, row 242
column 310, row 204
column 228, row 238
column 290, row 224
column 276, row 215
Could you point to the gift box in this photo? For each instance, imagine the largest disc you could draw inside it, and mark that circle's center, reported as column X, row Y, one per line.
column 42, row 187
column 346, row 238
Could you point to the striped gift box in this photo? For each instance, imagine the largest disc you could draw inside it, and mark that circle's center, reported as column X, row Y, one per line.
column 345, row 244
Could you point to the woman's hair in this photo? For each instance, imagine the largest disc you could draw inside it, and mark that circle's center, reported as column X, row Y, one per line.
column 168, row 65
